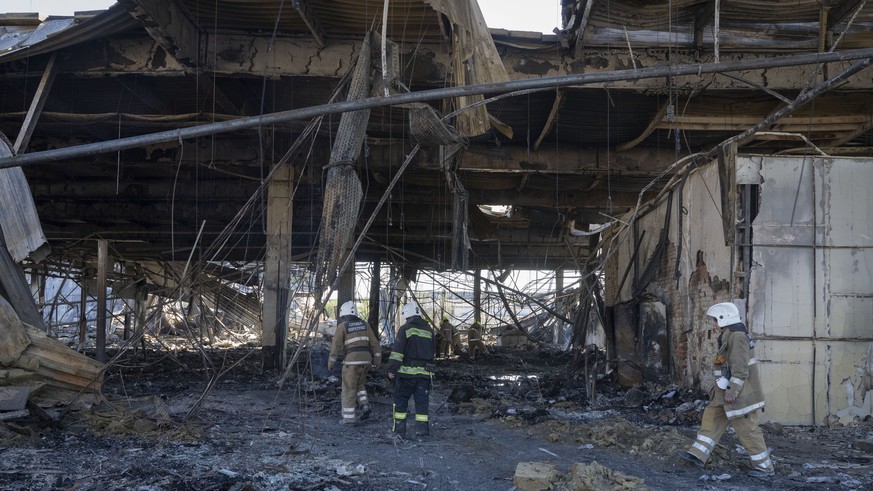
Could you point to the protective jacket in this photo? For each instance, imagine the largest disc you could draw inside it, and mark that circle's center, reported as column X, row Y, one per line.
column 474, row 334
column 413, row 350
column 447, row 330
column 356, row 342
column 736, row 362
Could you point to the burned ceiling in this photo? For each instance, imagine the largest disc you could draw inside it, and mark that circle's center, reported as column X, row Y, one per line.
column 565, row 158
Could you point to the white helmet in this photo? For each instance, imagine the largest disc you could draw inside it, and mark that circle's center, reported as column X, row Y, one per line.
column 725, row 313
column 410, row 310
column 348, row 308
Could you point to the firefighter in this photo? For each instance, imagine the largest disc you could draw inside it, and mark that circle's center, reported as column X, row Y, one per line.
column 474, row 341
column 736, row 398
column 360, row 349
column 411, row 367
column 446, row 334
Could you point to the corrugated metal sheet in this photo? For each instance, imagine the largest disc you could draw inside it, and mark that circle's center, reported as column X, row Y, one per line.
column 408, row 20
column 22, row 230
column 770, row 24
column 57, row 34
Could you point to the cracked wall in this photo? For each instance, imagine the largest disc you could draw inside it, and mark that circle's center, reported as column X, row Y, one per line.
column 810, row 299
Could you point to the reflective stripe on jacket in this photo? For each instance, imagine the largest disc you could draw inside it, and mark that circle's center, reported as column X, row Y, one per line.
column 413, row 349
column 356, row 342
column 741, row 369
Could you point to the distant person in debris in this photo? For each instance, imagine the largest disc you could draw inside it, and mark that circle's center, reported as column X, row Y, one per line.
column 457, row 345
column 411, row 366
column 475, row 345
column 359, row 346
column 447, row 332
column 736, row 398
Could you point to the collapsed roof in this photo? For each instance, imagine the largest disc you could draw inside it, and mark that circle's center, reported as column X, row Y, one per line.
column 563, row 160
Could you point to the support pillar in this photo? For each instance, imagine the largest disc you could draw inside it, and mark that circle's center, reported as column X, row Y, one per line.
column 102, row 307
column 558, row 334
column 274, row 327
column 477, row 295
column 139, row 311
column 375, row 280
column 83, row 310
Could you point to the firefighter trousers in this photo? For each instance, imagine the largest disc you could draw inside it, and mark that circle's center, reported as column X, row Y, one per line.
column 354, row 389
column 419, row 389
column 712, row 427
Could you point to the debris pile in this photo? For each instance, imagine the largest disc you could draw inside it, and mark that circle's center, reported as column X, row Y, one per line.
column 540, row 476
column 36, row 370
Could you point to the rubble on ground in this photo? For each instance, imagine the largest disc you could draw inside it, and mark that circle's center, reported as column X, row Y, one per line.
column 174, row 420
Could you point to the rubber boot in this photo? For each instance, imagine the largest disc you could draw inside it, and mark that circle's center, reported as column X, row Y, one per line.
column 399, row 427
column 365, row 411
column 422, row 429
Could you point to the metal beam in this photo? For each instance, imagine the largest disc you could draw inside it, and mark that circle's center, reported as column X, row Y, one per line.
column 545, row 83
column 580, row 32
column 552, row 119
column 653, row 125
column 39, row 98
column 234, row 55
column 303, row 8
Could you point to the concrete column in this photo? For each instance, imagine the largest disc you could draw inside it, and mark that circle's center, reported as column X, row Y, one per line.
column 83, row 306
column 274, row 327
column 102, row 306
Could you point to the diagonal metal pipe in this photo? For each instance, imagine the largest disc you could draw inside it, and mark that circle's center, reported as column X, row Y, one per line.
column 545, row 83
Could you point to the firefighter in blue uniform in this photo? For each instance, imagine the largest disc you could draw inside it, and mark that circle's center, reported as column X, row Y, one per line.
column 411, row 367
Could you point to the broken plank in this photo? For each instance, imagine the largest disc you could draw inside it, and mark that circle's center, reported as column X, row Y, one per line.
column 65, row 380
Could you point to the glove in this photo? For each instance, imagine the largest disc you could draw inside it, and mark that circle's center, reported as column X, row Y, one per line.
column 730, row 395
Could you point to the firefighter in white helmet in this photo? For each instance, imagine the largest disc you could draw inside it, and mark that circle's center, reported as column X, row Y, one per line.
column 359, row 346
column 411, row 367
column 736, row 398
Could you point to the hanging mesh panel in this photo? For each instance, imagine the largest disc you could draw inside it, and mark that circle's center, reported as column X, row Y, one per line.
column 460, row 239
column 343, row 193
column 428, row 129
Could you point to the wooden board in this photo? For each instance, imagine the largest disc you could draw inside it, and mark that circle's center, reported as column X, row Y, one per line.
column 53, row 363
